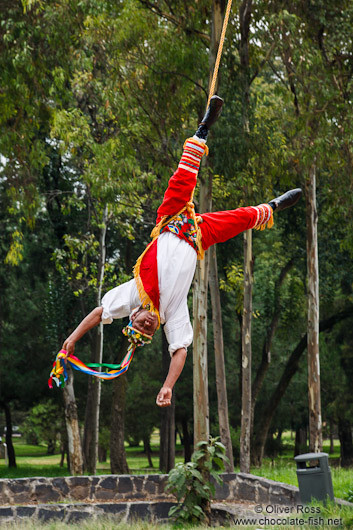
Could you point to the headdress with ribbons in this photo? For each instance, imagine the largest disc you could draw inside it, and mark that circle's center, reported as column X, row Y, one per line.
column 59, row 372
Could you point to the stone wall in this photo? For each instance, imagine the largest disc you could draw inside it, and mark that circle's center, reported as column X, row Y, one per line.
column 128, row 497
column 237, row 487
column 73, row 513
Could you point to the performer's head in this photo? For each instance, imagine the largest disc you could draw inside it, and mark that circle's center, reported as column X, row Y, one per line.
column 144, row 321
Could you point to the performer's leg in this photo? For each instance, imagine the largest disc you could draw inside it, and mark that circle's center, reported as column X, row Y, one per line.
column 181, row 185
column 218, row 227
column 212, row 114
column 183, row 182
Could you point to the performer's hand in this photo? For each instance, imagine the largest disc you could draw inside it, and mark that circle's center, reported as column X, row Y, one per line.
column 69, row 346
column 164, row 397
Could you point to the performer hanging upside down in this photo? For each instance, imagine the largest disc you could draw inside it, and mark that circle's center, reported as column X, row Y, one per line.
column 164, row 272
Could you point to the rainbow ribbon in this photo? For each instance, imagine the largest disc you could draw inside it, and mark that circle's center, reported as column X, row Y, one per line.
column 59, row 372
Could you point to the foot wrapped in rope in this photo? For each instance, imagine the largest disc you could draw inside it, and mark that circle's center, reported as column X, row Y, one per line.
column 212, row 114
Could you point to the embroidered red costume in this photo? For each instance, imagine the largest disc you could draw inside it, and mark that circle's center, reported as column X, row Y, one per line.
column 164, row 272
column 215, row 227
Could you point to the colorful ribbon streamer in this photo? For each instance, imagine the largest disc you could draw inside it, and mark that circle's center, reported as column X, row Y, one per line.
column 59, row 372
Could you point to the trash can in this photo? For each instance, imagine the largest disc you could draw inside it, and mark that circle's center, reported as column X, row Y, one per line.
column 315, row 481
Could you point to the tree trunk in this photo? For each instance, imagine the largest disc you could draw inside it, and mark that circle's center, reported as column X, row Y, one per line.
column 264, row 423
column 201, row 409
column 200, row 372
column 315, row 423
column 301, row 436
column 222, row 399
column 75, row 462
column 346, row 441
column 51, row 447
column 91, row 429
column 245, row 431
column 9, row 445
column 118, row 463
column 186, row 440
column 63, row 451
column 332, row 444
column 266, row 349
column 102, row 453
column 90, row 435
column 147, row 449
column 167, row 430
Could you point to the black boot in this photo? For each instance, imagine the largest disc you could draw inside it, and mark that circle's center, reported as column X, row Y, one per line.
column 211, row 116
column 286, row 200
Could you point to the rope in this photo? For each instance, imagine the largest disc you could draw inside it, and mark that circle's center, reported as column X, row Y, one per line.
column 219, row 53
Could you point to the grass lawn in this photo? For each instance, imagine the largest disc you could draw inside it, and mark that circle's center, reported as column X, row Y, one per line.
column 33, row 461
column 105, row 524
column 332, row 517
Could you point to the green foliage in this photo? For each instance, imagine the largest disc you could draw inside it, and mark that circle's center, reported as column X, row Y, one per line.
column 235, row 439
column 15, row 253
column 97, row 100
column 44, row 425
column 349, row 495
column 190, row 482
column 142, row 399
column 234, row 284
column 104, row 438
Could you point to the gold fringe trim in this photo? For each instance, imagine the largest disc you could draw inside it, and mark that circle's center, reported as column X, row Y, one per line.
column 145, row 299
column 267, row 224
column 190, row 207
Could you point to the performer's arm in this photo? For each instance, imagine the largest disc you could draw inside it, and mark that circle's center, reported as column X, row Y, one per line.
column 89, row 322
column 176, row 367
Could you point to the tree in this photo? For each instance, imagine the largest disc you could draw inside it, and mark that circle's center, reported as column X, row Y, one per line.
column 83, row 127
column 200, row 291
column 43, row 425
column 222, row 398
column 91, row 432
column 244, row 18
column 167, row 429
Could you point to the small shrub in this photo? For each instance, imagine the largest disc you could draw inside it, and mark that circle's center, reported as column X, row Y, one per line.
column 190, row 482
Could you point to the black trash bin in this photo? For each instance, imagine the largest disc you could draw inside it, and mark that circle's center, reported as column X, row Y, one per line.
column 315, row 481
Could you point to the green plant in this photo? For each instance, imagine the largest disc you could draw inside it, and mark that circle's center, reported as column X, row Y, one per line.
column 191, row 484
column 43, row 424
column 349, row 495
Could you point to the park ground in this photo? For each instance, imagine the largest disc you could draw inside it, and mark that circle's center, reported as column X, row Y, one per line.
column 334, row 517
column 34, row 461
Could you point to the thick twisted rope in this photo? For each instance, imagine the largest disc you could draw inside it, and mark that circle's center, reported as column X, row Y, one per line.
column 219, row 53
